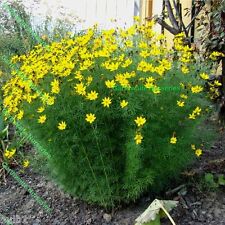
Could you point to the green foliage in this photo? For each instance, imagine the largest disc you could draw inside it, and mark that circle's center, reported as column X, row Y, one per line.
column 14, row 37
column 210, row 182
column 101, row 162
column 214, row 181
column 211, row 24
column 221, row 180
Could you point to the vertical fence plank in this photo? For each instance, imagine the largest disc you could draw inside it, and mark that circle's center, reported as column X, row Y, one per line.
column 101, row 12
column 157, row 7
column 91, row 13
column 121, row 12
column 110, row 13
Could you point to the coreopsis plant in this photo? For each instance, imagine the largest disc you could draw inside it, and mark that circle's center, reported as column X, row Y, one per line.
column 107, row 141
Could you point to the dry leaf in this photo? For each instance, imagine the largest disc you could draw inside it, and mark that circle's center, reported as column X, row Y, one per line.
column 151, row 213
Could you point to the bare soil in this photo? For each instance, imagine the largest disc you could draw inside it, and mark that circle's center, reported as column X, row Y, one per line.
column 197, row 205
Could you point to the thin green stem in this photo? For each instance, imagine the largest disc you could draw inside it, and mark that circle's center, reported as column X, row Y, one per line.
column 111, row 152
column 106, row 176
column 92, row 170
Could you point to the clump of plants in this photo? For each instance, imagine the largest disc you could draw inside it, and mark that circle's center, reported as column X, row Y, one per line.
column 105, row 144
column 9, row 146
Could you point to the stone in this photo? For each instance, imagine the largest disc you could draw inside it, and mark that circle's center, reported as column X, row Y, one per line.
column 107, row 217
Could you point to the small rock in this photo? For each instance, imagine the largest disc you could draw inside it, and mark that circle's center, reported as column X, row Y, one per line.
column 37, row 222
column 89, row 221
column 217, row 212
column 29, row 205
column 41, row 184
column 203, row 212
column 56, row 222
column 76, row 211
column 107, row 217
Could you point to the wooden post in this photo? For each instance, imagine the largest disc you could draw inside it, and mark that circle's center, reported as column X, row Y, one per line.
column 149, row 8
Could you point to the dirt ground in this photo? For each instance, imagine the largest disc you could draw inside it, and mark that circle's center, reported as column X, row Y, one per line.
column 196, row 205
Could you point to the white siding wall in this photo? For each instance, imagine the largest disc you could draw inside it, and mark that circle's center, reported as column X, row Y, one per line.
column 91, row 11
column 157, row 8
column 102, row 11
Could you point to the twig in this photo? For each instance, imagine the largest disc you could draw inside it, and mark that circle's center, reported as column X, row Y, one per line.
column 184, row 202
column 175, row 189
column 171, row 15
column 166, row 26
column 180, row 18
column 168, row 215
column 188, row 27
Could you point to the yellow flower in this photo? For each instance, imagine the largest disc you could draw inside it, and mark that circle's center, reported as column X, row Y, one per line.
column 93, row 95
column 106, row 102
column 156, row 90
column 143, row 45
column 51, row 101
column 26, row 163
column 140, row 121
column 78, row 76
column 193, row 147
column 183, row 96
column 182, row 85
column 111, row 66
column 215, row 54
column 110, row 84
column 150, row 79
column 45, row 97
column 55, row 86
column 10, row 153
column 197, row 110
column 204, row 76
column 20, row 115
column 145, row 53
column 180, row 103
column 7, row 154
column 129, row 43
column 192, row 116
column 198, row 152
column 196, row 89
column 137, row 18
column 126, row 63
column 150, row 86
column 62, row 125
column 217, row 83
column 184, row 69
column 80, row 89
column 40, row 109
column 90, row 118
column 89, row 80
column 138, row 138
column 42, row 119
column 123, row 103
column 173, row 140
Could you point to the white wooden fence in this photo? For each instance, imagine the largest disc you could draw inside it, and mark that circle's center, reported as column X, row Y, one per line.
column 93, row 11
column 103, row 11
